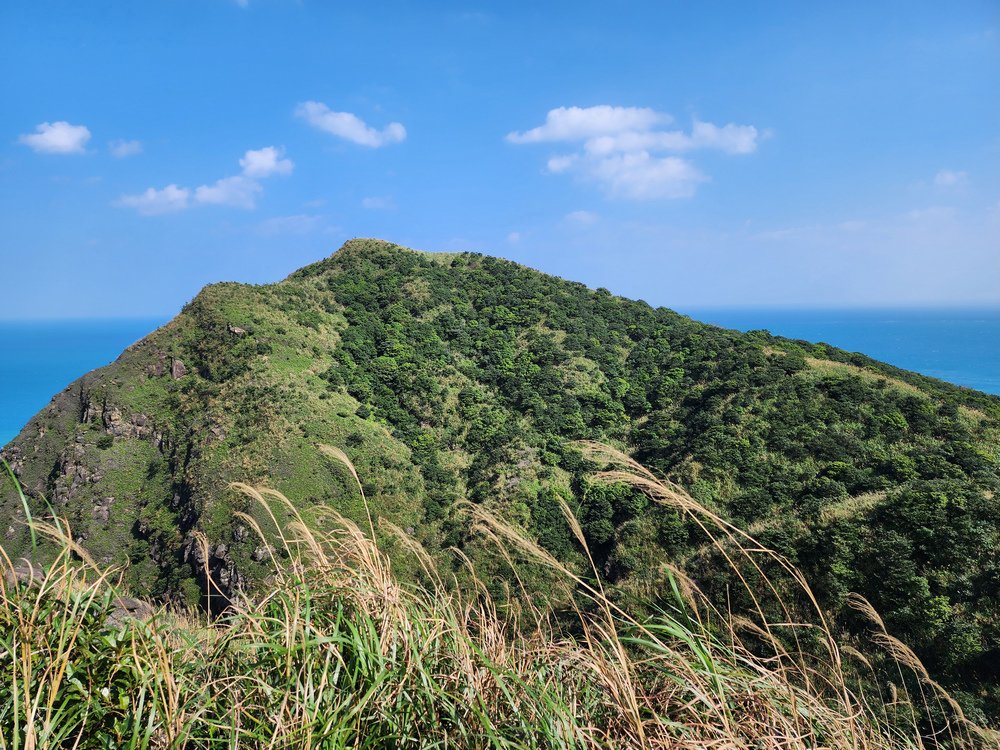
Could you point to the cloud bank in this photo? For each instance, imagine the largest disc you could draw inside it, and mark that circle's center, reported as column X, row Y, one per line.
column 629, row 152
column 349, row 126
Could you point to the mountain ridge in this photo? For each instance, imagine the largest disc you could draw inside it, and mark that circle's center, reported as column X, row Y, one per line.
column 459, row 376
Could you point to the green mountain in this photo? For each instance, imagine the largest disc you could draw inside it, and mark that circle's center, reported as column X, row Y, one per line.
column 449, row 377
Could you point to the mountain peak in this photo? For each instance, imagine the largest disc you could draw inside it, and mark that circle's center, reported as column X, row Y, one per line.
column 368, row 247
column 453, row 376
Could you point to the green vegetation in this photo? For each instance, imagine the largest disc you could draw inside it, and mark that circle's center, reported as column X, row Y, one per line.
column 466, row 378
column 340, row 653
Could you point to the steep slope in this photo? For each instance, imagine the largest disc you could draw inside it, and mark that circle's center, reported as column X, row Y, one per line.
column 462, row 376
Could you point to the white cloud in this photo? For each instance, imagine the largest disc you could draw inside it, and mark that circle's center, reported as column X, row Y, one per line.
column 558, row 164
column 628, row 153
column 376, row 202
column 514, row 237
column 583, row 218
column 578, row 123
column 238, row 191
column 349, row 126
column 57, row 138
column 630, row 141
column 121, row 149
column 265, row 162
column 640, row 176
column 950, row 178
column 731, row 138
column 153, row 201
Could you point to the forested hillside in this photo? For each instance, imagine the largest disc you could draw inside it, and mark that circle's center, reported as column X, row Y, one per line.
column 448, row 377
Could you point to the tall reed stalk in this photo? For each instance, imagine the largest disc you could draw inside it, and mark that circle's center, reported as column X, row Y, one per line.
column 338, row 652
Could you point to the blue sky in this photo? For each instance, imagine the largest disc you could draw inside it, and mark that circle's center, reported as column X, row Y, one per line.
column 690, row 154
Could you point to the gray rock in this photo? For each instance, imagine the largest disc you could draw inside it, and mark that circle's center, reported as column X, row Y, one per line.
column 24, row 571
column 262, row 553
column 102, row 511
column 126, row 608
column 122, row 607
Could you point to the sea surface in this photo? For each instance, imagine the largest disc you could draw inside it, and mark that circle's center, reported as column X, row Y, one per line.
column 39, row 359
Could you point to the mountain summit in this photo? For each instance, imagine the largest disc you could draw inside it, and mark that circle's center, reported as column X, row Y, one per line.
column 450, row 377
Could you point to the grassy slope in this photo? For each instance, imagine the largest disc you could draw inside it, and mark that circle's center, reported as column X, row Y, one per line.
column 341, row 653
column 452, row 376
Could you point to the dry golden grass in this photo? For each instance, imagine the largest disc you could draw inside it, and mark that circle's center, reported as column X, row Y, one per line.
column 827, row 366
column 852, row 506
column 340, row 653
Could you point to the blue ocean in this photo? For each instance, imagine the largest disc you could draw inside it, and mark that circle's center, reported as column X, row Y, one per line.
column 39, row 359
column 962, row 346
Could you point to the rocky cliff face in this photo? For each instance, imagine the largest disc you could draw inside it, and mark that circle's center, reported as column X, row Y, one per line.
column 138, row 455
